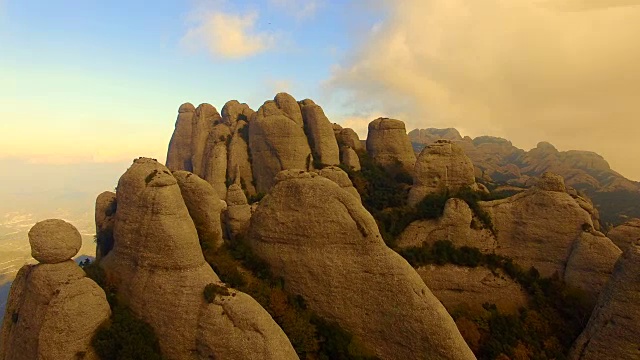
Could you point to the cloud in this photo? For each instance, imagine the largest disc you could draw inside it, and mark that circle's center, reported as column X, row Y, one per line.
column 299, row 10
column 512, row 68
column 587, row 5
column 228, row 35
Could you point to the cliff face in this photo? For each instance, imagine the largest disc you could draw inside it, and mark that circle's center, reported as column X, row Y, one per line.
column 496, row 159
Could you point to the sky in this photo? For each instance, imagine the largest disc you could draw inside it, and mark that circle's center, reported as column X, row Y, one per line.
column 92, row 82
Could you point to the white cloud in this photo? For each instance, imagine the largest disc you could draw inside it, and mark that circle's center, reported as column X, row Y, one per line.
column 513, row 68
column 299, row 9
column 228, row 35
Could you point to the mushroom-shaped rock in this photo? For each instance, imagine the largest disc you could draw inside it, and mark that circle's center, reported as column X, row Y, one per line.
column 612, row 331
column 320, row 134
column 53, row 241
column 441, row 166
column 238, row 213
column 591, row 262
column 277, row 141
column 625, row 234
column 158, row 267
column 204, row 207
column 339, row 177
column 328, row 249
column 179, row 153
column 106, row 205
column 551, row 182
column 53, row 310
column 389, row 145
column 349, row 157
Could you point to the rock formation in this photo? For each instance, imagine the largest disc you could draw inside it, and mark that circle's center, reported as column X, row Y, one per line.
column 238, row 213
column 215, row 158
column 53, row 310
column 612, row 331
column 456, row 225
column 625, row 234
column 350, row 158
column 348, row 137
column 238, row 161
column 539, row 226
column 441, row 166
column 470, row 288
column 431, row 135
column 158, row 267
column 389, row 145
column 591, row 262
column 204, row 118
column 204, row 206
column 339, row 177
column 328, row 249
column 320, row 134
column 104, row 216
column 179, row 153
column 277, row 140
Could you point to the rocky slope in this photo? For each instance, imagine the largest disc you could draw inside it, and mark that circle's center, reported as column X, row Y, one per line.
column 328, row 249
column 496, row 159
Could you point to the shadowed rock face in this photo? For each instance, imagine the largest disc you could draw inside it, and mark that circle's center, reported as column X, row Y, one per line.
column 158, row 268
column 328, row 249
column 277, row 140
column 350, row 158
column 389, row 145
column 53, row 310
column 612, row 331
column 105, row 213
column 441, row 166
column 238, row 212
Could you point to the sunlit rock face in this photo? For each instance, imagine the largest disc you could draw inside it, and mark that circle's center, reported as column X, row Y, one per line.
column 328, row 249
column 53, row 310
column 157, row 266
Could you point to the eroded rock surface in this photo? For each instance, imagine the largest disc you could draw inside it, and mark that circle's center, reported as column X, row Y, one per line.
column 612, row 331
column 389, row 145
column 158, row 267
column 328, row 249
column 624, row 235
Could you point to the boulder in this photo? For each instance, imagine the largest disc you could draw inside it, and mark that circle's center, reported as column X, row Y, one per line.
column 203, row 205
column 157, row 266
column 53, row 310
column 625, row 234
column 551, row 182
column 320, row 134
column 463, row 287
column 389, row 145
column 612, row 331
column 53, row 241
column 441, row 166
column 105, row 212
column 179, row 153
column 591, row 262
column 277, row 141
column 328, row 249
column 350, row 158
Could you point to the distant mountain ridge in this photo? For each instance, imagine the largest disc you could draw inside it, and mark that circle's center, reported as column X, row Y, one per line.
column 497, row 160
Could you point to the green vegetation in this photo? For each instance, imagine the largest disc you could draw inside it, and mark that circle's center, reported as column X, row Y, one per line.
column 555, row 316
column 123, row 337
column 256, row 197
column 310, row 335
